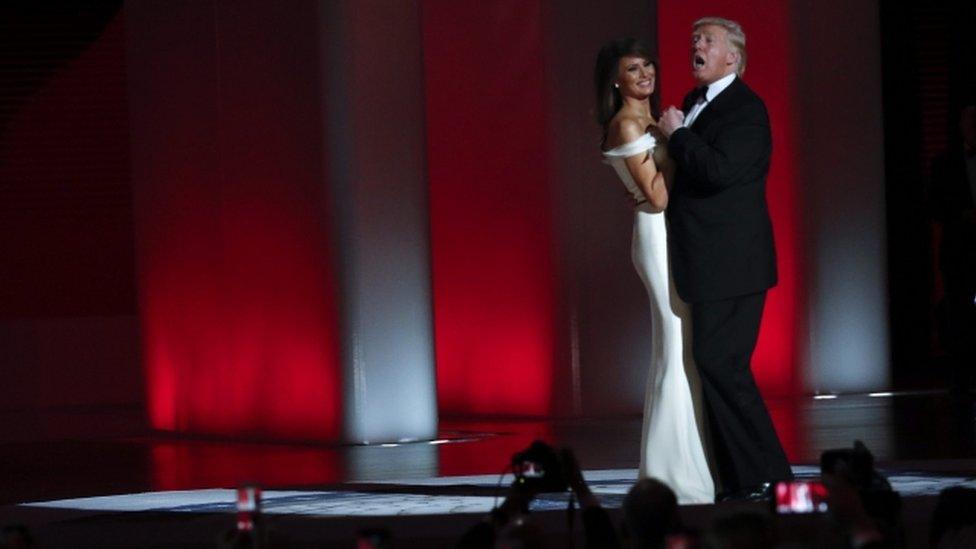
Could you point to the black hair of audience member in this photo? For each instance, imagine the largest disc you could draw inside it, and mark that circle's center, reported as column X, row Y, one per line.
column 955, row 509
column 16, row 536
column 650, row 513
column 741, row 530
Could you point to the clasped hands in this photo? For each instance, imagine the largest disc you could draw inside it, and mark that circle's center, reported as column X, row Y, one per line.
column 671, row 119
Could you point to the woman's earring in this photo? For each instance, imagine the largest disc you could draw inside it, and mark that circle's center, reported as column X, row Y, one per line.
column 616, row 85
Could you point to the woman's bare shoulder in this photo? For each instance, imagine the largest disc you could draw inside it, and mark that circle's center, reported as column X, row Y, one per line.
column 625, row 128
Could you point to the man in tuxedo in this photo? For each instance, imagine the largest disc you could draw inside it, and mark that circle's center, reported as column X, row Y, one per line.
column 722, row 255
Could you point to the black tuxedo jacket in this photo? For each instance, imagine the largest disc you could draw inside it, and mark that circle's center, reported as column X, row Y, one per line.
column 721, row 236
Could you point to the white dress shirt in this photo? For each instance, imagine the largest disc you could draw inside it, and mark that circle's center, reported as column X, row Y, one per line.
column 713, row 90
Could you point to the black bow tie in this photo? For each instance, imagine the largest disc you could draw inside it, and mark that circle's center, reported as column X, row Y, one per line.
column 698, row 94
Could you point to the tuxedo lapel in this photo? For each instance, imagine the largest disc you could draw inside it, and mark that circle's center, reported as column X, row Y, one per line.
column 705, row 117
column 719, row 104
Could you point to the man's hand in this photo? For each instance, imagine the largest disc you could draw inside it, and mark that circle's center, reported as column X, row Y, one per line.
column 671, row 119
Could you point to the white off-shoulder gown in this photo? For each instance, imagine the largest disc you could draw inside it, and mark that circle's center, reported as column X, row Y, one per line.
column 672, row 447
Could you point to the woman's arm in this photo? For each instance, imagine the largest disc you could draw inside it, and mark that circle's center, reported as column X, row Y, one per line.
column 642, row 168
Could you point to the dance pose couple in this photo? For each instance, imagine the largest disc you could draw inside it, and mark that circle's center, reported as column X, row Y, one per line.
column 703, row 246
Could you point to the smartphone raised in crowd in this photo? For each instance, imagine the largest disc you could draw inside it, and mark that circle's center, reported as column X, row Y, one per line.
column 800, row 496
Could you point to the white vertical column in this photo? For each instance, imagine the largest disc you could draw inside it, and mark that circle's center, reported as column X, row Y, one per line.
column 374, row 113
column 840, row 151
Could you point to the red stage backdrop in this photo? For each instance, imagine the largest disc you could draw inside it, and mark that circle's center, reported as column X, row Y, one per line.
column 490, row 206
column 235, row 274
column 236, row 277
column 769, row 72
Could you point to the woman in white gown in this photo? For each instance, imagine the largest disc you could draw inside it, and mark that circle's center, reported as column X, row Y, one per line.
column 672, row 447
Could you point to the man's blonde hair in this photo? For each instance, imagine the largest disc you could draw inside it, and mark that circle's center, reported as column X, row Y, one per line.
column 737, row 38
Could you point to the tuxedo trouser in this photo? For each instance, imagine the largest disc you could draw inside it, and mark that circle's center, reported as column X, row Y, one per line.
column 744, row 443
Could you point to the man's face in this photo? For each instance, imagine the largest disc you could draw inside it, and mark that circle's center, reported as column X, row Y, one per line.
column 711, row 56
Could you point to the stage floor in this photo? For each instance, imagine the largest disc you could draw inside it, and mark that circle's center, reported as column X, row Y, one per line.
column 73, row 471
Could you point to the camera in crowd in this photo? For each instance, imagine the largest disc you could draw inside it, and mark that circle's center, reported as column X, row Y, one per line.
column 540, row 468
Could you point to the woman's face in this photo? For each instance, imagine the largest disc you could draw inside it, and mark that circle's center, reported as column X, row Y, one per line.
column 636, row 76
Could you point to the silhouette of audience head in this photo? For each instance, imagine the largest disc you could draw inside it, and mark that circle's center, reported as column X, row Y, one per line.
column 954, row 517
column 650, row 513
column 741, row 530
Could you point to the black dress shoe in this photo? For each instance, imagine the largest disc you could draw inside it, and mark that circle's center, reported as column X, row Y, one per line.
column 760, row 493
